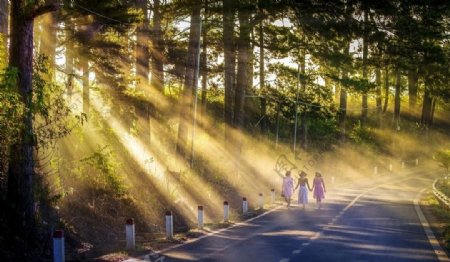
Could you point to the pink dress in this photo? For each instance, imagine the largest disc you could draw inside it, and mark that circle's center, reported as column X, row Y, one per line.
column 288, row 186
column 318, row 193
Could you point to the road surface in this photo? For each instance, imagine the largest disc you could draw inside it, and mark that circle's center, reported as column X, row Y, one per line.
column 372, row 220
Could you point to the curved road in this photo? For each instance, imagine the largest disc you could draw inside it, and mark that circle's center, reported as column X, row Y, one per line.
column 372, row 220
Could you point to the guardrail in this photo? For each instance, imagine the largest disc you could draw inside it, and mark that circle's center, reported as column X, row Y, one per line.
column 443, row 199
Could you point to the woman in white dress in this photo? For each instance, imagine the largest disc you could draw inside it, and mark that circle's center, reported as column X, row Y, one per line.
column 287, row 188
column 304, row 187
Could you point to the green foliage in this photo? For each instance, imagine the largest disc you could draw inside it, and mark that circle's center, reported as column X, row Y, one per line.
column 362, row 135
column 101, row 170
column 53, row 118
column 323, row 133
column 11, row 107
column 443, row 157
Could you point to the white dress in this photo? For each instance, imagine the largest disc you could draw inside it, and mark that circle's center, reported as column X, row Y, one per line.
column 288, row 186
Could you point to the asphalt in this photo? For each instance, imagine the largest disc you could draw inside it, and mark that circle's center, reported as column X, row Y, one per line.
column 370, row 220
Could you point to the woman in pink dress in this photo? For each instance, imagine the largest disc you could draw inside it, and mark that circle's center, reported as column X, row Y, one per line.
column 318, row 189
column 287, row 188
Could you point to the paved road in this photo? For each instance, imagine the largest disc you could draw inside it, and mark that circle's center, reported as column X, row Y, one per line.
column 372, row 220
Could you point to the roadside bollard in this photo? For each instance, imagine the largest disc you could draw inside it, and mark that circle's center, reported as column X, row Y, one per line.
column 417, row 161
column 333, row 180
column 130, row 233
column 244, row 205
column 226, row 210
column 390, row 167
column 272, row 196
column 58, row 246
column 261, row 201
column 169, row 225
column 375, row 170
column 403, row 164
column 200, row 217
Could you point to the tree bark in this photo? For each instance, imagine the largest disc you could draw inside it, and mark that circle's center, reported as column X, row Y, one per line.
column 343, row 95
column 20, row 200
column 378, row 90
column 412, row 89
column 189, row 80
column 69, row 66
column 49, row 40
column 364, row 104
column 426, row 105
column 303, row 116
column 397, row 96
column 142, row 72
column 84, row 65
column 229, row 62
column 262, row 75
column 157, row 52
column 386, row 88
column 243, row 45
column 204, row 62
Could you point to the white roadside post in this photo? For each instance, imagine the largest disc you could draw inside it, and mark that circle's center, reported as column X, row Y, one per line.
column 375, row 170
column 417, row 161
column 226, row 210
column 200, row 217
column 333, row 180
column 390, row 167
column 403, row 164
column 58, row 246
column 261, row 201
column 130, row 234
column 244, row 205
column 272, row 196
column 169, row 225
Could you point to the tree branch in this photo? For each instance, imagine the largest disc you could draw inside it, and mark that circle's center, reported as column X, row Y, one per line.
column 42, row 9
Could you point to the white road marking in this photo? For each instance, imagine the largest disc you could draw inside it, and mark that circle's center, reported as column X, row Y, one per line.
column 284, row 260
column 297, row 251
column 441, row 255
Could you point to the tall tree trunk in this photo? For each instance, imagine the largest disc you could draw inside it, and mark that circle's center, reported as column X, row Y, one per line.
column 142, row 71
column 386, row 88
column 343, row 95
column 262, row 75
column 87, row 34
column 229, row 63
column 433, row 109
column 204, row 62
column 378, row 91
column 69, row 65
column 426, row 105
column 303, row 116
column 412, row 89
column 20, row 200
column 189, row 80
column 84, row 65
column 364, row 104
column 397, row 96
column 157, row 76
column 243, row 45
column 49, row 40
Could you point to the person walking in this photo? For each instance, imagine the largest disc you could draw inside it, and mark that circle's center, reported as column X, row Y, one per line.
column 287, row 189
column 319, row 189
column 304, row 188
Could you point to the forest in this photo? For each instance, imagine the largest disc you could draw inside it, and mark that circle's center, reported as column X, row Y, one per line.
column 122, row 109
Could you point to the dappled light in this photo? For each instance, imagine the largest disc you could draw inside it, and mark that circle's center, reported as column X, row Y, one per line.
column 224, row 131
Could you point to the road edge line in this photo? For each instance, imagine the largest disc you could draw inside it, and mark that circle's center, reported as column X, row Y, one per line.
column 440, row 253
